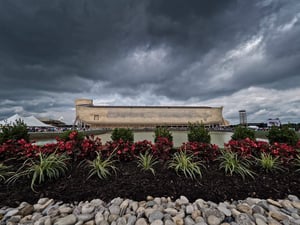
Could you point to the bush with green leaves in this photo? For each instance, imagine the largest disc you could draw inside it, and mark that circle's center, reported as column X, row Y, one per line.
column 240, row 133
column 16, row 131
column 232, row 164
column 183, row 162
column 282, row 135
column 162, row 132
column 100, row 166
column 269, row 162
column 147, row 162
column 125, row 134
column 46, row 167
column 198, row 133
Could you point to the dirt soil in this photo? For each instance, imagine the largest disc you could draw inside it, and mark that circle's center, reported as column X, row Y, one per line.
column 133, row 183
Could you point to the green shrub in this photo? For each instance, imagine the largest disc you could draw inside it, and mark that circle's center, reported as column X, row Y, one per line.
column 15, row 132
column 282, row 135
column 125, row 134
column 162, row 132
column 241, row 133
column 198, row 133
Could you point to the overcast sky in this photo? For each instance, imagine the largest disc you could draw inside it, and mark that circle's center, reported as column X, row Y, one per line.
column 239, row 54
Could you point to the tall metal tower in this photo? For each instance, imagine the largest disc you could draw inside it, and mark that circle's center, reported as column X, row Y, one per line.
column 243, row 117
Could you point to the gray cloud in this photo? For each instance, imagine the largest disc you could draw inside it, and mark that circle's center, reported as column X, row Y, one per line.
column 148, row 52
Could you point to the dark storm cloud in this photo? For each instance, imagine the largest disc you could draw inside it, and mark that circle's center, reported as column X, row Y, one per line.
column 137, row 49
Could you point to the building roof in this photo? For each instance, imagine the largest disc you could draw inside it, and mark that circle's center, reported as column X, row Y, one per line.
column 30, row 121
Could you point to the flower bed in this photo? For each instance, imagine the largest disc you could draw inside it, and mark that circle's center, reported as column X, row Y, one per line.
column 134, row 182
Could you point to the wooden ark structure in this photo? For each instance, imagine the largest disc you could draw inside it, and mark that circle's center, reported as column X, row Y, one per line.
column 89, row 115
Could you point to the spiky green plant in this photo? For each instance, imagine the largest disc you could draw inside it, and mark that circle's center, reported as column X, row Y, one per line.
column 231, row 163
column 46, row 167
column 268, row 162
column 4, row 171
column 101, row 167
column 146, row 162
column 183, row 162
column 297, row 162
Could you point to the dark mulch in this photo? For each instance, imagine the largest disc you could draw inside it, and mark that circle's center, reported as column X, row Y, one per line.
column 131, row 182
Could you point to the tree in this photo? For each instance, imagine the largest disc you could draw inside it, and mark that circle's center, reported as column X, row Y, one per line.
column 282, row 135
column 15, row 132
column 241, row 133
column 122, row 133
column 162, row 132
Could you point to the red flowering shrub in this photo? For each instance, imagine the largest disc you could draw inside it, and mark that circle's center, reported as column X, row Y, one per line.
column 162, row 148
column 49, row 148
column 27, row 149
column 298, row 145
column 71, row 135
column 202, row 151
column 121, row 149
column 6, row 150
column 89, row 147
column 284, row 151
column 141, row 147
column 248, row 148
column 127, row 151
column 245, row 148
column 70, row 143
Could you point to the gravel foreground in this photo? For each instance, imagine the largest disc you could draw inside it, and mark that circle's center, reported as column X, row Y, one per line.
column 155, row 211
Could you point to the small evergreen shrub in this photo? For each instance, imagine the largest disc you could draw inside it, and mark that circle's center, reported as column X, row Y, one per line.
column 198, row 133
column 122, row 133
column 15, row 132
column 241, row 133
column 282, row 135
column 162, row 132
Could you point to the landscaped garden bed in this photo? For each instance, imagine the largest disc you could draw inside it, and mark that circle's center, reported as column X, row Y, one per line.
column 216, row 179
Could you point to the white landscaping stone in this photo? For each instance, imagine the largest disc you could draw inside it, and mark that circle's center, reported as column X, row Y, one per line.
column 141, row 221
column 67, row 220
column 213, row 220
column 171, row 211
column 87, row 209
column 157, row 222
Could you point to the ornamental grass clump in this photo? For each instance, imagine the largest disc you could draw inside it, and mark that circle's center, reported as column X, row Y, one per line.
column 147, row 162
column 268, row 162
column 232, row 164
column 46, row 167
column 183, row 162
column 4, row 171
column 101, row 167
column 297, row 162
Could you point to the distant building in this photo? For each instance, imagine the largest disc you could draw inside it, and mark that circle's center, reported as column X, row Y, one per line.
column 273, row 122
column 88, row 115
column 55, row 123
column 243, row 117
